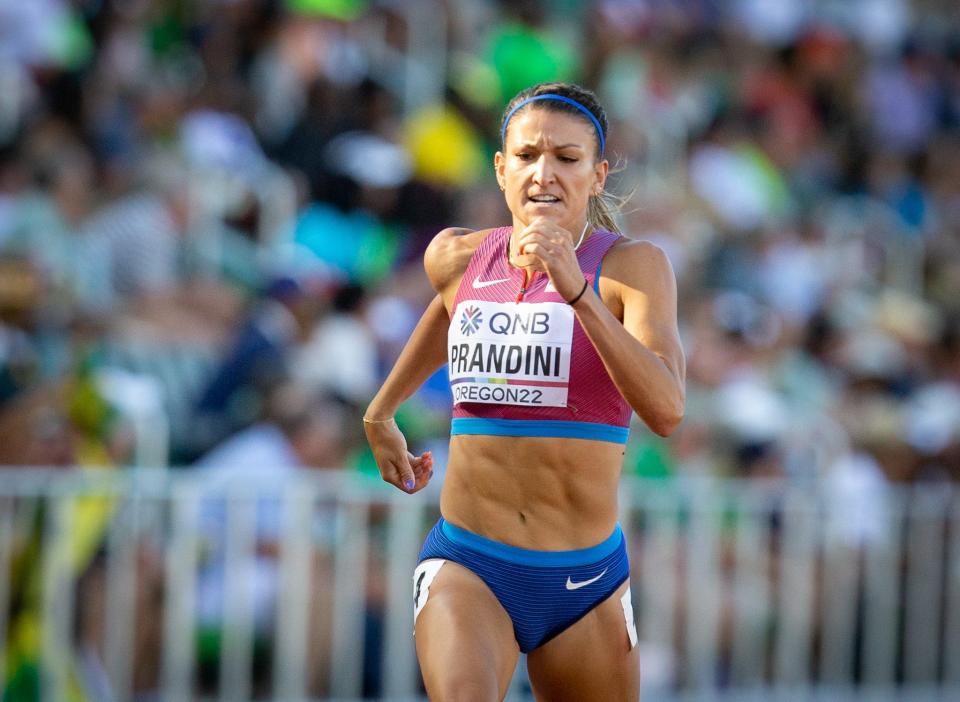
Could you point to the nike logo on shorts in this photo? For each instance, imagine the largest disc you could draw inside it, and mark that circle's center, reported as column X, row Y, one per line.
column 583, row 583
column 477, row 283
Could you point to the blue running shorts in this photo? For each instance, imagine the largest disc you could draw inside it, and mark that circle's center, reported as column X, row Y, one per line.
column 544, row 592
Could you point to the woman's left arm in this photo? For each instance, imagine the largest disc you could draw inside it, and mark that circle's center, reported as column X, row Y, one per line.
column 642, row 353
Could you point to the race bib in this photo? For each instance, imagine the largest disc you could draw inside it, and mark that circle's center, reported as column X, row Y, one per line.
column 510, row 353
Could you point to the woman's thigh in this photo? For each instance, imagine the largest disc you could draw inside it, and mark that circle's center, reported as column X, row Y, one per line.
column 592, row 660
column 465, row 641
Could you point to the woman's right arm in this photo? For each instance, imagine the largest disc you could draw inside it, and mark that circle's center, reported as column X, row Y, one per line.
column 422, row 355
column 424, row 352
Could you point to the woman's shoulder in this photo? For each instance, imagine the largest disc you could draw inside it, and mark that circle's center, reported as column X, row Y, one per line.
column 455, row 239
column 449, row 252
column 629, row 253
column 637, row 261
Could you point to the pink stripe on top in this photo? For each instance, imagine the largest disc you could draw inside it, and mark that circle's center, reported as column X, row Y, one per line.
column 592, row 399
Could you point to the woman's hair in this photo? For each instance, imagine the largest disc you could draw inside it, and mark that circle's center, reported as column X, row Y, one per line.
column 600, row 208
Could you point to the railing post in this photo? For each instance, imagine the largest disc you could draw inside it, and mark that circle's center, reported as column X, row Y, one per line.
column 926, row 514
column 294, row 603
column 350, row 595
column 840, row 575
column 881, row 594
column 406, row 530
column 6, row 555
column 658, row 585
column 704, row 587
column 951, row 643
column 236, row 645
column 121, row 591
column 752, row 596
column 795, row 591
column 179, row 649
column 57, row 599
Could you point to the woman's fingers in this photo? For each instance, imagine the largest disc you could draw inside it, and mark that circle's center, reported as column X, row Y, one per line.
column 555, row 258
column 404, row 476
column 408, row 472
column 538, row 254
column 546, row 229
column 546, row 245
column 421, row 462
column 422, row 468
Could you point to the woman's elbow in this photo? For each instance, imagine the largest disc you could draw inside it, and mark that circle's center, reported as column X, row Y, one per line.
column 665, row 421
column 665, row 426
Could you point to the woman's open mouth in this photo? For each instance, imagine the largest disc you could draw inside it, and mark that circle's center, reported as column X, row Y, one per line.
column 544, row 199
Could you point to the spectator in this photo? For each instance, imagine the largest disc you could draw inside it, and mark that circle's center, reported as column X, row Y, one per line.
column 256, row 359
column 301, row 432
column 340, row 357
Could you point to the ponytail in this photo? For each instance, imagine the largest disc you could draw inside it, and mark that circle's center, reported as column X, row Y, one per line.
column 601, row 211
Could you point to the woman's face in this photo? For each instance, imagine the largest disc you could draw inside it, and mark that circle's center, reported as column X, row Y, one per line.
column 549, row 168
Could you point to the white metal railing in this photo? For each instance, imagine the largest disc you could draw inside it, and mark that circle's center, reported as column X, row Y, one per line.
column 742, row 589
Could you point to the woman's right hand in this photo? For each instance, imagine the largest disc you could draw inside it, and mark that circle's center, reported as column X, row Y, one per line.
column 397, row 465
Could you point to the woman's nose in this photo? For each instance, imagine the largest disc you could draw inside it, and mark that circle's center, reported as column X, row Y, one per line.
column 543, row 171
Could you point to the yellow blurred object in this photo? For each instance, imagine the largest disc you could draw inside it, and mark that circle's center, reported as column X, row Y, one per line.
column 26, row 634
column 91, row 520
column 475, row 80
column 446, row 150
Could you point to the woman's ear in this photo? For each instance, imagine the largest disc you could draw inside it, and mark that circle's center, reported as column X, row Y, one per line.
column 601, row 170
column 499, row 162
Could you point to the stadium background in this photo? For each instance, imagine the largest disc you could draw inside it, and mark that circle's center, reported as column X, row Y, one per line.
column 212, row 215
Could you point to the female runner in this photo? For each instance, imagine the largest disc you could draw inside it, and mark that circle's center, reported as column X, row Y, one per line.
column 555, row 329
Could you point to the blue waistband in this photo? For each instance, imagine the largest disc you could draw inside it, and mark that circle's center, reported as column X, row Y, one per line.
column 526, row 556
column 539, row 427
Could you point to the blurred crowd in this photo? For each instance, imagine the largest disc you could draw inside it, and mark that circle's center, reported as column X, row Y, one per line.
column 212, row 216
column 202, row 202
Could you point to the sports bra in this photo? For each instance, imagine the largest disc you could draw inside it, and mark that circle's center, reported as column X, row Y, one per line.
column 522, row 365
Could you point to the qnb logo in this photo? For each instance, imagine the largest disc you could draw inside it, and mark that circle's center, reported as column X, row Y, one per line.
column 470, row 321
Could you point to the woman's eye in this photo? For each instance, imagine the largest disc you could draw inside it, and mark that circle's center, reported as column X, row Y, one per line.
column 523, row 156
column 568, row 159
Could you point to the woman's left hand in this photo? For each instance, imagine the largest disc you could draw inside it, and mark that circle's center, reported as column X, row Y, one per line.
column 545, row 246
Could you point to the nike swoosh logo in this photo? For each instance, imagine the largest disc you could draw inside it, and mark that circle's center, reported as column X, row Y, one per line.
column 576, row 586
column 549, row 287
column 477, row 283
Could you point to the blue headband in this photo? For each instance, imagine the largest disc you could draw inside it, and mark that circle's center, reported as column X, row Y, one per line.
column 560, row 98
